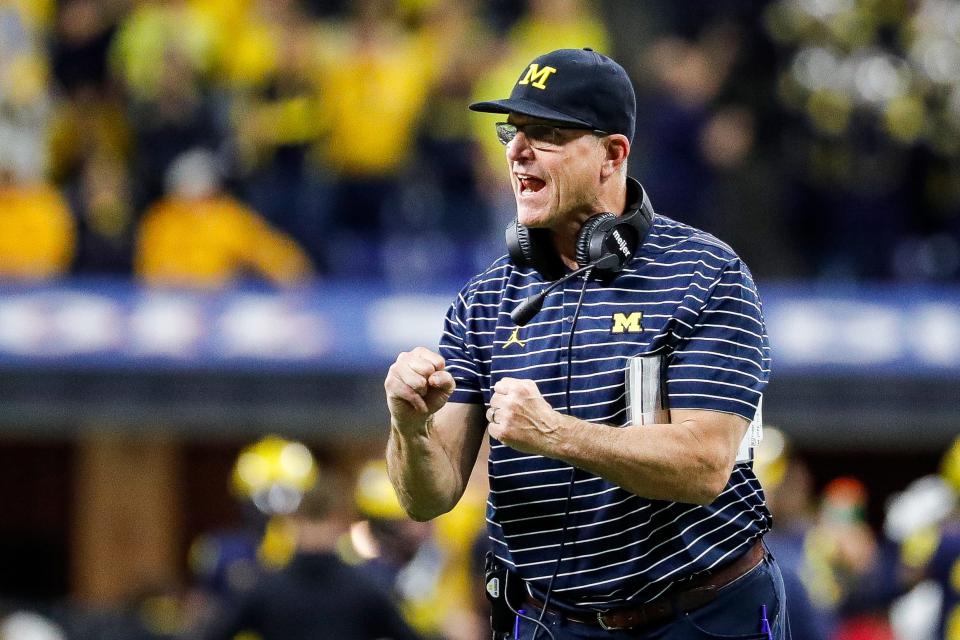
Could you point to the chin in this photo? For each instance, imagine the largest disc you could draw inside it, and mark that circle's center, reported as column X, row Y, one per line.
column 532, row 217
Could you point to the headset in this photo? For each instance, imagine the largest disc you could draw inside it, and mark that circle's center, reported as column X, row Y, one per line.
column 601, row 238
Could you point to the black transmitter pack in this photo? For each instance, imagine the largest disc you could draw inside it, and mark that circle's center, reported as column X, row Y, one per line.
column 506, row 592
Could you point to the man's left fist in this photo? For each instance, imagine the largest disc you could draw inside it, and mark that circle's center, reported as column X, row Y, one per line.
column 520, row 418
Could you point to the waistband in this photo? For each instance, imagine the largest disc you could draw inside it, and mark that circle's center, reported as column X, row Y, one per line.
column 691, row 594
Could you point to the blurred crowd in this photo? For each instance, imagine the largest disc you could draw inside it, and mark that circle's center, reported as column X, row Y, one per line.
column 197, row 142
column 327, row 552
column 319, row 551
column 848, row 579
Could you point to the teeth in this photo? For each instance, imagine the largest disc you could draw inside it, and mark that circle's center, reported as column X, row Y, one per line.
column 525, row 182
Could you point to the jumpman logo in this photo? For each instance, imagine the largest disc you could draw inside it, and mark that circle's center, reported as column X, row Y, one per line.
column 515, row 339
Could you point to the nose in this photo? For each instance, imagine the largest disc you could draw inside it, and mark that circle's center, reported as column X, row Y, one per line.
column 519, row 148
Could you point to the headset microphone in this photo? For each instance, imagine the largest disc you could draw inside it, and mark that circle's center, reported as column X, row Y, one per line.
column 524, row 312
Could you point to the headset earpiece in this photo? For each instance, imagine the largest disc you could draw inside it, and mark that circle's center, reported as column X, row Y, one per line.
column 533, row 248
column 594, row 227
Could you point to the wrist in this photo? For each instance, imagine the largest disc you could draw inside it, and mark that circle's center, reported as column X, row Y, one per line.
column 570, row 431
column 411, row 429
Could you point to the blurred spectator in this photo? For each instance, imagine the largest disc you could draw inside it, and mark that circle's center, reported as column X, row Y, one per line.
column 743, row 201
column 102, row 200
column 27, row 625
column 86, row 125
column 932, row 550
column 876, row 119
column 156, row 33
column 165, row 54
column 674, row 116
column 90, row 149
column 854, row 562
column 404, row 560
column 788, row 487
column 838, row 576
column 83, row 34
column 316, row 596
column 37, row 235
column 24, row 90
column 843, row 538
column 277, row 119
column 200, row 236
column 268, row 480
column 442, row 188
column 374, row 85
column 424, row 566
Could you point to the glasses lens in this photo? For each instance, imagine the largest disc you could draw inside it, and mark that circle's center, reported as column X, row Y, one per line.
column 539, row 135
column 542, row 135
column 506, row 132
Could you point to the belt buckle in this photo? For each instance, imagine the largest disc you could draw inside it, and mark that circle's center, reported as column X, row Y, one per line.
column 607, row 627
column 603, row 625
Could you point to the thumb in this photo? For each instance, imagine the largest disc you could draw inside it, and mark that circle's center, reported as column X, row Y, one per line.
column 443, row 382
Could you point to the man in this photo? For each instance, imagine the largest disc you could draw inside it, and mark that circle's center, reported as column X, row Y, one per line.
column 316, row 596
column 615, row 529
column 932, row 551
column 199, row 235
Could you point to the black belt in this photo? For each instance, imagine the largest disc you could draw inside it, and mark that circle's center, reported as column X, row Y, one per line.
column 691, row 595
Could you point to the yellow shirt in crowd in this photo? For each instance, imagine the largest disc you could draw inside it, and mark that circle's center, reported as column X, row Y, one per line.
column 209, row 242
column 372, row 98
column 37, row 235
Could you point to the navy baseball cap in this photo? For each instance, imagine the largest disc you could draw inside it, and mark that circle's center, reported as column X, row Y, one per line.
column 572, row 86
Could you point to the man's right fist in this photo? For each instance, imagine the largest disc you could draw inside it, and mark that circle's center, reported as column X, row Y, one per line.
column 417, row 386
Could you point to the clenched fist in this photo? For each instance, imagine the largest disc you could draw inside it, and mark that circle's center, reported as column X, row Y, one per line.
column 417, row 386
column 521, row 418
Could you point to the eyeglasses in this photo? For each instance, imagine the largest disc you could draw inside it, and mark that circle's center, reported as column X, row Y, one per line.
column 539, row 135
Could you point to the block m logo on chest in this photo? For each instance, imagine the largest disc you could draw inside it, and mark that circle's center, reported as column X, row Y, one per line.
column 627, row 323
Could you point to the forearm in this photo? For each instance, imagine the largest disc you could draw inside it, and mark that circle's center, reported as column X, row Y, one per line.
column 433, row 443
column 662, row 462
column 427, row 481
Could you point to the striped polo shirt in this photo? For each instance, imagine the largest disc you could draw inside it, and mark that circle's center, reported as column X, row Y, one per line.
column 685, row 294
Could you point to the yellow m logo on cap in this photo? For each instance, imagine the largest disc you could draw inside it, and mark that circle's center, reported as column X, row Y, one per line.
column 537, row 77
column 627, row 323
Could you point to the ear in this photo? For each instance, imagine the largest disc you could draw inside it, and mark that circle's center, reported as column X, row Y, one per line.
column 617, row 149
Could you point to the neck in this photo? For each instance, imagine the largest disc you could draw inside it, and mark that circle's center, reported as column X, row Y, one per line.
column 565, row 236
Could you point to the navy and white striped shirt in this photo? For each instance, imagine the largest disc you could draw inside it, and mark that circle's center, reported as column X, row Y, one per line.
column 699, row 303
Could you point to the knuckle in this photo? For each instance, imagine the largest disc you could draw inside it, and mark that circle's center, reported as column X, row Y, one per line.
column 423, row 353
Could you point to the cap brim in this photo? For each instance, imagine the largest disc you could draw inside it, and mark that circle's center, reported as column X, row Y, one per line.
column 526, row 108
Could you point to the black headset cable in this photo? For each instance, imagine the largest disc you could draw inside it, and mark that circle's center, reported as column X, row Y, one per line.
column 573, row 470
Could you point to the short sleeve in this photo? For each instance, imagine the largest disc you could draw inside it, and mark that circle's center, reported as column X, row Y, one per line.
column 457, row 354
column 722, row 360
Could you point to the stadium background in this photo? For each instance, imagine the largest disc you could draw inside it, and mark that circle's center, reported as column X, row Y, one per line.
column 222, row 219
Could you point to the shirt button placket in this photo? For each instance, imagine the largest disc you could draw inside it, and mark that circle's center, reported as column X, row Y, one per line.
column 571, row 293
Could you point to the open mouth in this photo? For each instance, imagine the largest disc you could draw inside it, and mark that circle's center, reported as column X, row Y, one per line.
column 530, row 184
